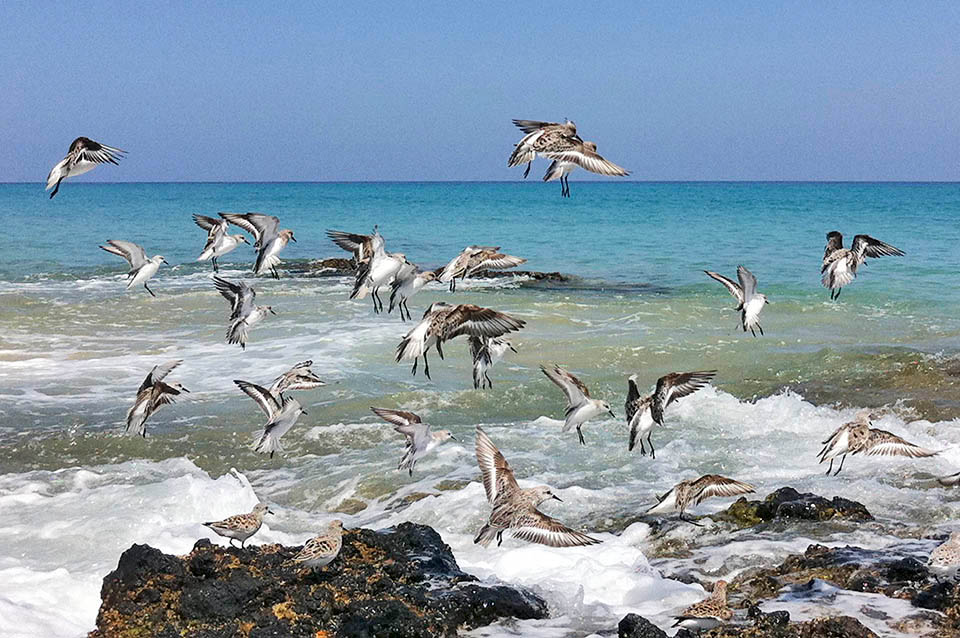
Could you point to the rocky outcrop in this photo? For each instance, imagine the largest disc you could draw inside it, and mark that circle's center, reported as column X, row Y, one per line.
column 789, row 504
column 338, row 267
column 773, row 625
column 399, row 583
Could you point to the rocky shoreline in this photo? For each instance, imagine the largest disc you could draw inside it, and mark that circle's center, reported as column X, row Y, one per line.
column 339, row 267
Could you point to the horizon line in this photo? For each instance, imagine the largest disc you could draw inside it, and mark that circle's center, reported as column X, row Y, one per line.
column 519, row 182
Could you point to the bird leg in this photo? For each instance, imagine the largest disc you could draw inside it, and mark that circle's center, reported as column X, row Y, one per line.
column 453, row 285
column 231, row 542
column 643, row 450
column 242, row 543
column 838, row 293
column 57, row 187
column 525, row 173
column 842, row 459
column 148, row 290
column 830, row 468
column 653, row 452
column 439, row 351
column 487, row 377
column 499, row 538
column 426, row 365
column 580, row 434
column 691, row 521
column 273, row 271
column 215, row 267
column 373, row 298
column 416, row 360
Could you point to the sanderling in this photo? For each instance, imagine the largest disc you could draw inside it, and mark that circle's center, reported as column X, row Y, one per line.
column 244, row 314
column 567, row 154
column 580, row 407
column 706, row 614
column 485, row 352
column 407, row 283
column 379, row 270
column 299, row 377
column 141, row 268
column 945, row 559
column 321, row 550
column 241, row 526
column 474, row 259
column 83, row 156
column 950, row 480
column 840, row 264
column 269, row 239
column 420, row 440
column 858, row 437
column 515, row 508
column 362, row 246
column 442, row 322
column 151, row 394
column 219, row 243
column 282, row 413
column 539, row 135
column 643, row 412
column 751, row 301
column 687, row 493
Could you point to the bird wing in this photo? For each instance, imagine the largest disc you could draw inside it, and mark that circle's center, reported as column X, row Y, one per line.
column 716, row 485
column 350, row 242
column 834, row 243
column 731, row 285
column 254, row 223
column 495, row 471
column 883, row 443
column 748, row 283
column 497, row 261
column 587, row 159
column 239, row 295
column 133, row 253
column 573, row 387
column 406, row 423
column 267, row 401
column 537, row 527
column 158, row 373
column 209, row 224
column 85, row 149
column 467, row 319
column 531, row 126
column 456, row 266
column 676, row 385
column 164, row 394
column 867, row 246
column 633, row 396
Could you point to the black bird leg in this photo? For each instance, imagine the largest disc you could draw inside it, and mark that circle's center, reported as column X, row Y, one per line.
column 416, row 360
column 653, row 452
column 691, row 521
column 842, row 459
column 439, row 350
column 499, row 538
column 215, row 267
column 487, row 377
column 426, row 365
column 829, row 469
column 643, row 449
column 57, row 187
column 148, row 290
column 580, row 434
column 525, row 173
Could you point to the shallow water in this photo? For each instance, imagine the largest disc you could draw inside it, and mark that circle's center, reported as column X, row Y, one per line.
column 74, row 346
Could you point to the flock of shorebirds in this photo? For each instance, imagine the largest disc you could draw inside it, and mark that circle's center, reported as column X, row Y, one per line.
column 513, row 509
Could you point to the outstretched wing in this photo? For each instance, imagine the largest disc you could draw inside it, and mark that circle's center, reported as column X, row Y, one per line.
column 730, row 285
column 867, row 246
column 495, row 471
column 748, row 283
column 267, row 402
column 254, row 223
column 573, row 387
column 239, row 295
column 158, row 373
column 405, row 423
column 530, row 126
column 883, row 443
column 716, row 485
column 537, row 527
column 133, row 253
column 587, row 159
column 207, row 223
column 495, row 261
column 467, row 319
column 675, row 385
column 86, row 150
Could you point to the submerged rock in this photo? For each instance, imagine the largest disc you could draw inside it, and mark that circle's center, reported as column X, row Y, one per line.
column 634, row 626
column 787, row 503
column 396, row 583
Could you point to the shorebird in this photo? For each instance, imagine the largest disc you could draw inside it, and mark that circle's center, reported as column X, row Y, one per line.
column 580, row 407
column 141, row 268
column 486, row 352
column 750, row 301
column 406, row 284
column 321, row 550
column 269, row 240
column 857, row 436
column 569, row 154
column 362, row 246
column 152, row 394
column 643, row 412
column 219, row 242
column 949, row 481
column 299, row 377
column 539, row 135
column 945, row 559
column 706, row 614
column 840, row 264
column 84, row 155
column 515, row 508
column 241, row 526
column 282, row 413
column 244, row 314
column 473, row 259
column 442, row 322
column 378, row 270
column 420, row 440
column 687, row 493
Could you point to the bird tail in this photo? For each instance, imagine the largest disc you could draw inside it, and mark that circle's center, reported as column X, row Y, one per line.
column 266, row 443
column 237, row 332
column 486, row 534
column 412, row 345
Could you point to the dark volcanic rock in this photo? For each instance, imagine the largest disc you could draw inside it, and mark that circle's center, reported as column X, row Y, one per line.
column 764, row 627
column 400, row 583
column 634, row 626
column 788, row 503
column 338, row 267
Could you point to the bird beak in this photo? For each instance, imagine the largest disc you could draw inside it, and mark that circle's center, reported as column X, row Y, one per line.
column 270, row 511
column 612, row 414
column 184, row 389
column 292, row 238
column 165, row 261
column 558, row 498
column 272, row 312
column 302, row 411
column 514, row 349
column 454, row 438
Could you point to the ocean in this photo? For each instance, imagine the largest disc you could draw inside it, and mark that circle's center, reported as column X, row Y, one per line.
column 74, row 346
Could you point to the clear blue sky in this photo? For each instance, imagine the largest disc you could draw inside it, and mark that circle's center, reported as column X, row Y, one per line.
column 426, row 90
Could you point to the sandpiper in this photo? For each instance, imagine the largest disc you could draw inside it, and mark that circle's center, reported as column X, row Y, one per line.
column 152, row 394
column 706, row 614
column 580, row 407
column 282, row 413
column 945, row 559
column 420, row 440
column 219, row 242
column 299, row 377
column 379, row 270
column 244, row 314
column 442, row 322
column 408, row 282
column 486, row 352
column 269, row 239
column 949, row 480
column 643, row 412
column 858, row 437
column 840, row 264
column 241, row 526
column 751, row 301
column 515, row 508
column 83, row 156
column 321, row 550
column 567, row 154
column 539, row 136
column 687, row 493
column 141, row 268
column 474, row 259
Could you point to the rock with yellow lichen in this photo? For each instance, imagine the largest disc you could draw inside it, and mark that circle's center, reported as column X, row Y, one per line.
column 397, row 583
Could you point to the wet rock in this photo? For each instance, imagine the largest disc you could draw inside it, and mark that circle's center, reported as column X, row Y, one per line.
column 787, row 503
column 834, row 627
column 634, row 626
column 402, row 582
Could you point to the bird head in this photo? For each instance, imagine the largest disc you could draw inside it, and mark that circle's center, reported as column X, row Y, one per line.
column 445, row 435
column 606, row 406
column 261, row 509
column 544, row 493
column 242, row 238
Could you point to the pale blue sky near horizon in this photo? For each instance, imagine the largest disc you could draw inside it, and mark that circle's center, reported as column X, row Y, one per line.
column 240, row 91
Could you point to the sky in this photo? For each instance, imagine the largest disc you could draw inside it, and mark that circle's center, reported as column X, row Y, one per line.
column 243, row 91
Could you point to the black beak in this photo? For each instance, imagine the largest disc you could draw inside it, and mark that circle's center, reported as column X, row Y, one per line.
column 558, row 498
column 454, row 438
column 514, row 349
column 184, row 389
column 165, row 261
column 292, row 238
column 612, row 414
column 271, row 311
column 270, row 512
column 302, row 411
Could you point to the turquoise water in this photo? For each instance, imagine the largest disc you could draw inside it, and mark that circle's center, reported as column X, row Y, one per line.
column 74, row 346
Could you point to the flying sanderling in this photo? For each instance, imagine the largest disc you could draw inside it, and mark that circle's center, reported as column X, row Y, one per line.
column 751, row 301
column 282, row 413
column 379, row 270
column 569, row 154
column 539, row 135
column 321, row 550
column 269, row 239
column 474, row 259
column 219, row 242
column 241, row 526
column 840, row 264
column 407, row 283
column 687, row 493
column 486, row 352
column 141, row 268
column 83, row 156
column 945, row 558
column 362, row 246
column 442, row 322
column 299, row 377
column 244, row 314
column 152, row 394
column 706, row 614
column 858, row 437
column 643, row 412
column 515, row 508
column 420, row 440
column 580, row 407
